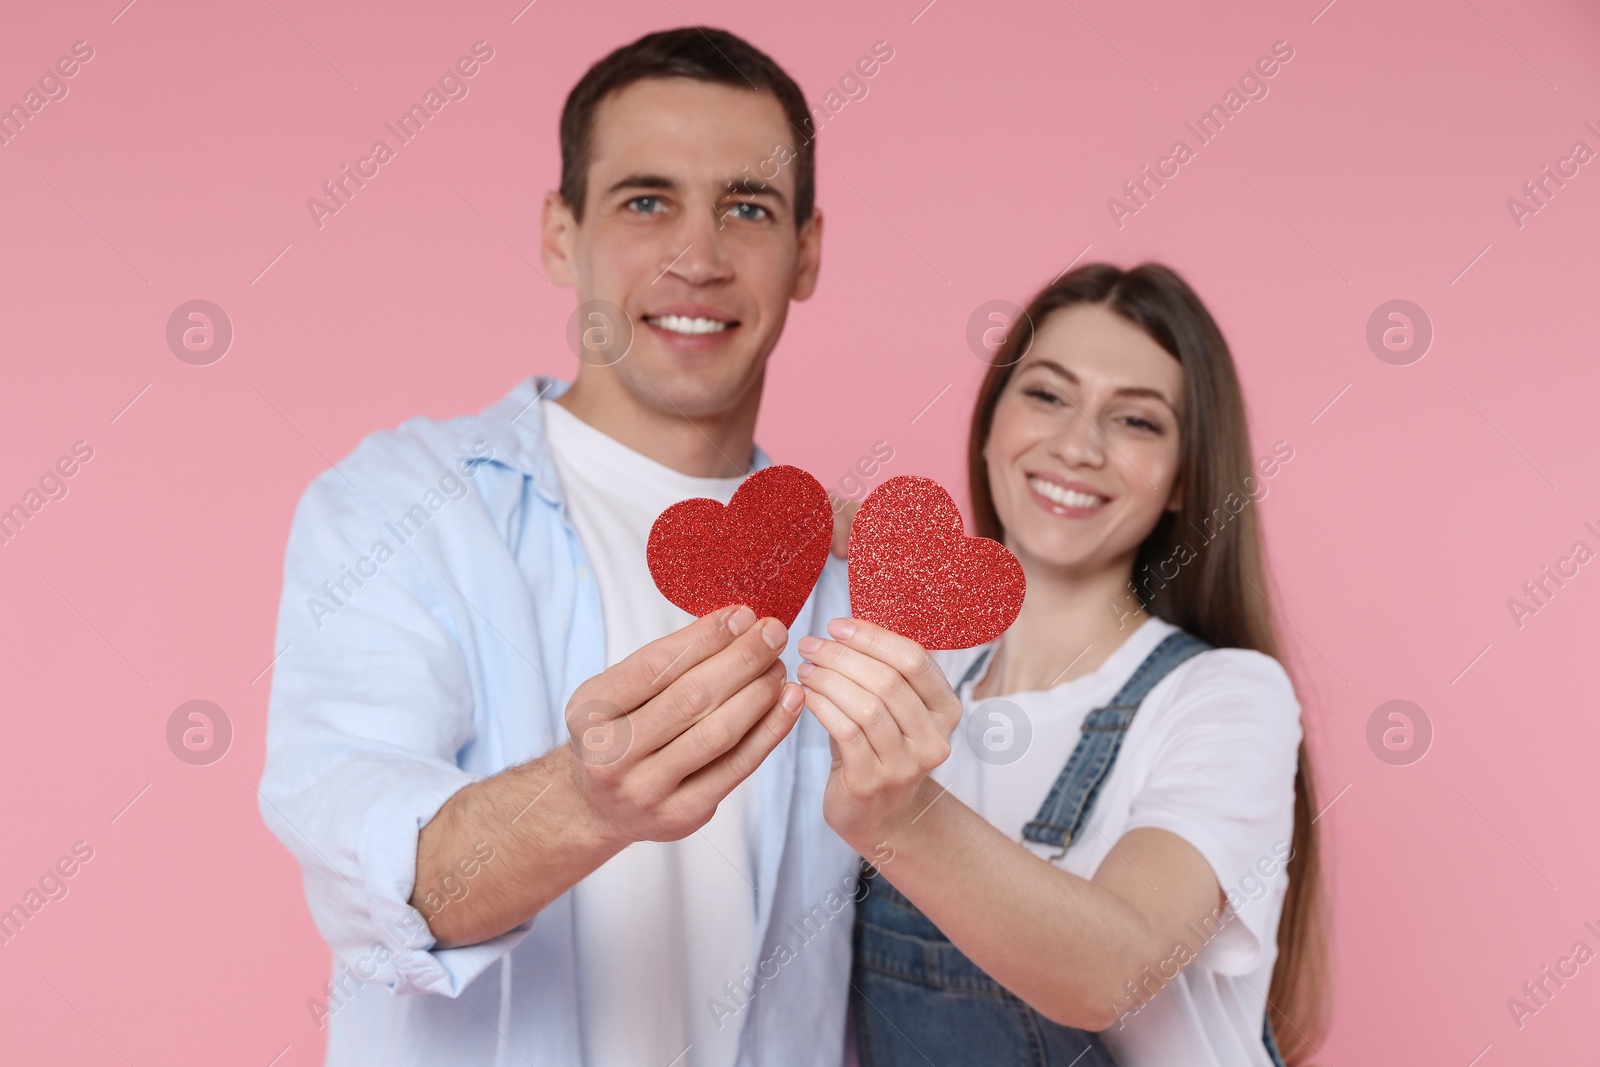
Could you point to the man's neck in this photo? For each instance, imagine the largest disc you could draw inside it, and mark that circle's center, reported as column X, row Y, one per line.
column 710, row 446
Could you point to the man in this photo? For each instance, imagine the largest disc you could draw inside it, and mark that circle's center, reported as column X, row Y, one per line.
column 582, row 826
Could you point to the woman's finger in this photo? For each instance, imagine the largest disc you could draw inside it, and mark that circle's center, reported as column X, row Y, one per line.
column 847, row 740
column 862, row 707
column 874, row 676
column 909, row 659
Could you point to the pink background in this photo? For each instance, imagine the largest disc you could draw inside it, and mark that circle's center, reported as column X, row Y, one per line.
column 978, row 167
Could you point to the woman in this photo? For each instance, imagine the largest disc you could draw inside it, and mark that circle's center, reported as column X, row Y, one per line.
column 1115, row 862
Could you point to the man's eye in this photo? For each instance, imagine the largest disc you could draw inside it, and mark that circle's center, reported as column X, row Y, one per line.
column 645, row 205
column 750, row 212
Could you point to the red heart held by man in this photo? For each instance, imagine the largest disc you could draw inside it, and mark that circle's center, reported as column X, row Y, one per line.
column 765, row 549
column 913, row 569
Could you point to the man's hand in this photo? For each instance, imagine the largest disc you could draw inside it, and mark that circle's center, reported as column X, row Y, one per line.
column 662, row 737
column 658, row 741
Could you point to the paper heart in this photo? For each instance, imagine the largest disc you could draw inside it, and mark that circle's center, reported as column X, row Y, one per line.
column 765, row 549
column 913, row 570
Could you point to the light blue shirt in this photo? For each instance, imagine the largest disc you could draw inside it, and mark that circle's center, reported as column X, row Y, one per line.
column 437, row 614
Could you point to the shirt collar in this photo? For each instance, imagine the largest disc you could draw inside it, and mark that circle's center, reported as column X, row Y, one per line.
column 513, row 430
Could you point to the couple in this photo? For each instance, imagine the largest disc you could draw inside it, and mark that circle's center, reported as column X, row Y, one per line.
column 575, row 826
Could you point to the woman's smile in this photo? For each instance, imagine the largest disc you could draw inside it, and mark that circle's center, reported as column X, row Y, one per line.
column 1064, row 496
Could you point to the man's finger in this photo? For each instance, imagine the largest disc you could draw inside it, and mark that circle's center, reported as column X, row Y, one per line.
column 630, row 684
column 714, row 782
column 719, row 731
column 698, row 691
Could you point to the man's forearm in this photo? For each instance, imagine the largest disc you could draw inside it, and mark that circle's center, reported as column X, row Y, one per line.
column 544, row 840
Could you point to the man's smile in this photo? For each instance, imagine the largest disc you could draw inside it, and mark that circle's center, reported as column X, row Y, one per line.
column 691, row 325
column 682, row 324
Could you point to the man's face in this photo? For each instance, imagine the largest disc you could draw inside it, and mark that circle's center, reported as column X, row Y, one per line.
column 701, row 253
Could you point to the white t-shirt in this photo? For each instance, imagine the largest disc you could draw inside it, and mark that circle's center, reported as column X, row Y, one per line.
column 661, row 925
column 1211, row 757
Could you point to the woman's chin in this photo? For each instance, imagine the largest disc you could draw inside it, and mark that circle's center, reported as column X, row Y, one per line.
column 1048, row 554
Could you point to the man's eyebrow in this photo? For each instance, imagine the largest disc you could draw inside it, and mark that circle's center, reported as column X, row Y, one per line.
column 1126, row 390
column 756, row 187
column 642, row 181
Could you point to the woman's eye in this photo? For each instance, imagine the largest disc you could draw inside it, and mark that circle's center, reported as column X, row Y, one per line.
column 645, row 205
column 1041, row 393
column 1140, row 423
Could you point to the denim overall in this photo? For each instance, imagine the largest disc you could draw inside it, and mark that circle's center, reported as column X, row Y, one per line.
column 917, row 999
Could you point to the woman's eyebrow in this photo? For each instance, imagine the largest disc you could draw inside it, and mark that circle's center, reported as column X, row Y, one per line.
column 1125, row 390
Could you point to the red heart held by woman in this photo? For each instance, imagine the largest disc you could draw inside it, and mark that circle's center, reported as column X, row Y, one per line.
column 913, row 569
column 765, row 549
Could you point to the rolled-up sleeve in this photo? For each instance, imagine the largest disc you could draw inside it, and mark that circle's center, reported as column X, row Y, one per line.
column 372, row 700
column 1224, row 781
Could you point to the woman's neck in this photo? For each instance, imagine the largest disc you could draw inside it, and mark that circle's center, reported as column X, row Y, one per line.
column 1069, row 624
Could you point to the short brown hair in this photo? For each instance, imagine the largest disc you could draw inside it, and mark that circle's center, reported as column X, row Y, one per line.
column 703, row 54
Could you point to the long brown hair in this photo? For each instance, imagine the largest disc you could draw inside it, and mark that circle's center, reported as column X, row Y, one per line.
column 1219, row 592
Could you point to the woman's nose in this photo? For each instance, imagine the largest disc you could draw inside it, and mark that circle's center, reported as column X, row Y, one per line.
column 1079, row 440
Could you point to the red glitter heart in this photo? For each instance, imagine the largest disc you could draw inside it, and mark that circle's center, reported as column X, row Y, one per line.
column 913, row 570
column 765, row 549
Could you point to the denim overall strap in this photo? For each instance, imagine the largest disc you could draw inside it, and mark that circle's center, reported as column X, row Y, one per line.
column 1063, row 813
column 974, row 670
column 911, row 988
column 1065, row 809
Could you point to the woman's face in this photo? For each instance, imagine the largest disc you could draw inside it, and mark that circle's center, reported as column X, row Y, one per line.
column 1083, row 451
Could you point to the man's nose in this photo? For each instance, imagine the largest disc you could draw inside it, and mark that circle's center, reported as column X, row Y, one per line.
column 698, row 257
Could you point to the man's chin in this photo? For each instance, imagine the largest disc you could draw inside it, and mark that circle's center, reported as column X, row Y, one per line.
column 693, row 384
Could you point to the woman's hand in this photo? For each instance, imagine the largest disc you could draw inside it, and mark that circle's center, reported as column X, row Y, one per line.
column 889, row 711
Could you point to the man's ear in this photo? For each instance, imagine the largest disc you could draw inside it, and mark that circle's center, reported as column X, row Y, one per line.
column 808, row 257
column 557, row 239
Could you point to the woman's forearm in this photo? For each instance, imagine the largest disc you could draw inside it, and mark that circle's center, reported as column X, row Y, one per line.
column 1063, row 944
